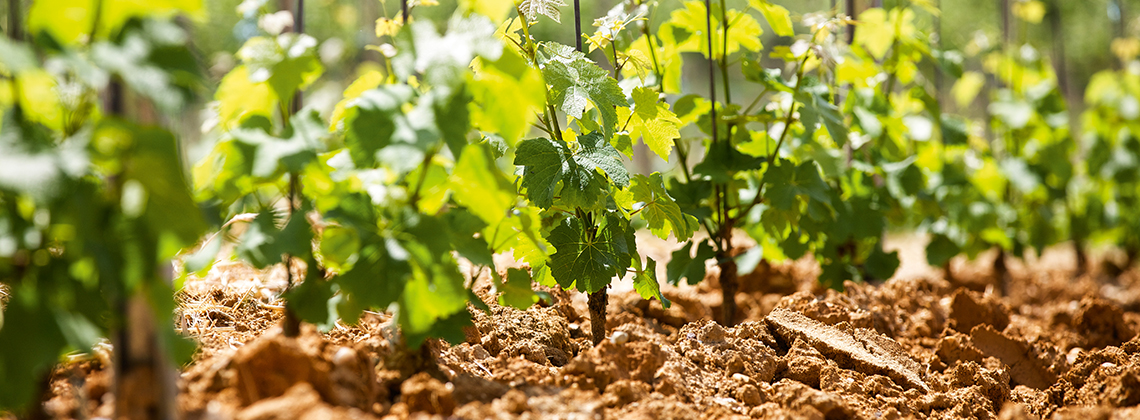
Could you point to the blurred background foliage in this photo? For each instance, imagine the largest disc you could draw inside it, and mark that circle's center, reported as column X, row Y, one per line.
column 1094, row 35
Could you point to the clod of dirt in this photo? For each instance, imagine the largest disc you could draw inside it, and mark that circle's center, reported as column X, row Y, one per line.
column 865, row 350
column 970, row 309
column 714, row 367
column 1025, row 367
column 1102, row 323
column 606, row 363
column 424, row 393
column 804, row 363
column 268, row 367
column 541, row 335
column 301, row 402
column 470, row 388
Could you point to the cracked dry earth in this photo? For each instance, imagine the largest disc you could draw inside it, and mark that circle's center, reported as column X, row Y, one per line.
column 1060, row 346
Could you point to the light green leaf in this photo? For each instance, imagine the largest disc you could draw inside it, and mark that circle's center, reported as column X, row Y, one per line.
column 507, row 94
column 645, row 282
column 652, row 121
column 239, row 98
column 777, row 16
column 659, row 209
column 290, row 154
column 288, row 63
column 516, row 291
column 71, row 21
column 532, row 8
column 478, row 184
column 744, row 31
column 338, row 247
column 575, row 82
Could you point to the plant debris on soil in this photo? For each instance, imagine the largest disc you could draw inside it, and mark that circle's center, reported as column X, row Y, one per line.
column 1061, row 346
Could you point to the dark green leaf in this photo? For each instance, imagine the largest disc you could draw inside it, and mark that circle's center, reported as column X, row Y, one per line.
column 684, row 265
column 591, row 256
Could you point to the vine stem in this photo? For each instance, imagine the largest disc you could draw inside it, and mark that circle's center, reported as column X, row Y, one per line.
column 291, row 325
column 724, row 53
column 578, row 26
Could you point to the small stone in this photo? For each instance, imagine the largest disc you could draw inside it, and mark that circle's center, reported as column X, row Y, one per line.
column 741, row 377
column 344, row 357
column 619, row 338
column 479, row 353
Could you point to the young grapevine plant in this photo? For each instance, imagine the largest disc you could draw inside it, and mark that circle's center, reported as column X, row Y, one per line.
column 578, row 178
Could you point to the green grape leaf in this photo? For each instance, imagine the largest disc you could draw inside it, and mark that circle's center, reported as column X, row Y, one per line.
column 786, row 181
column 30, row 164
column 596, row 153
column 658, row 208
column 288, row 62
column 239, row 97
column 723, row 160
column 876, row 31
column 312, row 299
column 521, row 233
column 203, row 259
column 744, row 31
column 478, row 184
column 684, row 265
column 517, row 292
column 645, row 282
column 544, row 162
column 71, row 21
column 1019, row 174
column 669, row 61
column 589, row 257
column 549, row 8
column 339, row 246
column 16, row 58
column 817, row 107
column 263, row 244
column 452, row 116
column 290, row 154
column 376, row 120
column 755, row 72
column 24, row 361
column 377, row 277
column 443, row 60
column 154, row 61
column 882, row 265
column 575, row 82
column 367, row 81
column 463, row 229
column 508, row 92
column 777, row 16
column 688, row 196
column 449, row 328
column 547, row 162
column 652, row 121
column 432, row 295
column 940, row 250
column 156, row 166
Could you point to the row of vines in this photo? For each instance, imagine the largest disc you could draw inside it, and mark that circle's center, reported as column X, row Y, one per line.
column 476, row 138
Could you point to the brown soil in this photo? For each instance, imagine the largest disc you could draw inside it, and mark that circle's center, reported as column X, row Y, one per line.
column 1060, row 346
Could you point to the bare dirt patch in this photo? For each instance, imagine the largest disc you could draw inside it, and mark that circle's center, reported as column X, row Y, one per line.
column 1060, row 346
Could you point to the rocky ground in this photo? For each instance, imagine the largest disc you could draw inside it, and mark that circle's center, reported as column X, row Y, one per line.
column 1061, row 345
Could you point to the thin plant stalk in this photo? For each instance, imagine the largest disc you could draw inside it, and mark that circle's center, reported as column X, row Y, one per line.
column 291, row 324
